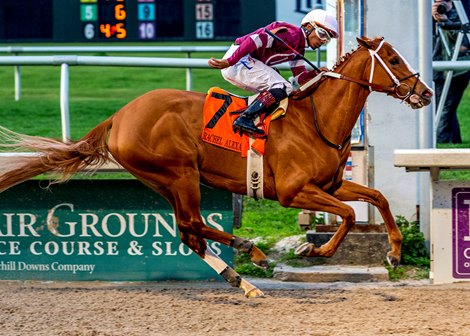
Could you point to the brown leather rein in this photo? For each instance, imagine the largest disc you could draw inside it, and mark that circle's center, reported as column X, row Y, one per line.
column 373, row 87
column 395, row 88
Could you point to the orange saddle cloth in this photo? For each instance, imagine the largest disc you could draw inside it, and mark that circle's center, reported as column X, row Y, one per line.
column 218, row 122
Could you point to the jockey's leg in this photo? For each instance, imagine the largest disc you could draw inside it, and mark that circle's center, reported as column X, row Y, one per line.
column 253, row 75
column 266, row 102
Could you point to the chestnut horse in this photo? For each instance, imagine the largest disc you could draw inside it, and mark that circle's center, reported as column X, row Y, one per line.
column 157, row 138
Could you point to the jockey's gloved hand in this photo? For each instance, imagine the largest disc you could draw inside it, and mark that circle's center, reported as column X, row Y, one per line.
column 308, row 75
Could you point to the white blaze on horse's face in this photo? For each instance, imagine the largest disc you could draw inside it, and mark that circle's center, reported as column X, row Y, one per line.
column 410, row 96
column 409, row 67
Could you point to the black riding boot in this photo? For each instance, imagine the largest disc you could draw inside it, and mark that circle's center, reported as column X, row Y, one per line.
column 264, row 103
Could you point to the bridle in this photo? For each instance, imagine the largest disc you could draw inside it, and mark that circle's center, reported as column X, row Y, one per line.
column 393, row 89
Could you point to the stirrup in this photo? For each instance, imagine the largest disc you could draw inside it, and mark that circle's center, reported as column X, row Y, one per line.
column 259, row 133
column 238, row 112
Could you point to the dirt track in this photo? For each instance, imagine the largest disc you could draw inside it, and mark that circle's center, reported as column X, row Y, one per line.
column 30, row 308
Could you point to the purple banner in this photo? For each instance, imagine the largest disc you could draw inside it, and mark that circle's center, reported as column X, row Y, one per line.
column 461, row 232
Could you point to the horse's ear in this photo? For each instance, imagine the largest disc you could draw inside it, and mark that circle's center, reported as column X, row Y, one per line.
column 369, row 43
column 365, row 42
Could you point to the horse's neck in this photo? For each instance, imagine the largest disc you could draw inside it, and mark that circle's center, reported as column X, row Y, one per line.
column 340, row 102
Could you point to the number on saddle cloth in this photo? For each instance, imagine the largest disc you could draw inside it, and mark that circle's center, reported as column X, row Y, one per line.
column 218, row 128
column 218, row 122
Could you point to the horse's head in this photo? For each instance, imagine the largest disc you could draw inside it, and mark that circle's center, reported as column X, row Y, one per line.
column 391, row 73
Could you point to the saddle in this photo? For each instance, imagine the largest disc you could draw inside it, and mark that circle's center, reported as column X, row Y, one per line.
column 218, row 118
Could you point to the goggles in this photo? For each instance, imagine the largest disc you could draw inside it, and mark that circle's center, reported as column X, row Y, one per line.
column 322, row 34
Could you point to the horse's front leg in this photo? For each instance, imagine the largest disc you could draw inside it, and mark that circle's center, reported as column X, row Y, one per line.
column 229, row 274
column 351, row 191
column 191, row 234
column 258, row 258
column 313, row 198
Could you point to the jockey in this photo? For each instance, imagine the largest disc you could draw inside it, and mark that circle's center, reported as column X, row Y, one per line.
column 247, row 64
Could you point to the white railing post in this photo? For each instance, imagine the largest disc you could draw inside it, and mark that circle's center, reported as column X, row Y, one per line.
column 17, row 83
column 189, row 76
column 64, row 102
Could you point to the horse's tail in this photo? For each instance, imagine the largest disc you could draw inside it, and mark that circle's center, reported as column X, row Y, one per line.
column 50, row 155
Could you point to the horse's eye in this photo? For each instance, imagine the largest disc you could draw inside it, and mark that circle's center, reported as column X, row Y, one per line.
column 395, row 61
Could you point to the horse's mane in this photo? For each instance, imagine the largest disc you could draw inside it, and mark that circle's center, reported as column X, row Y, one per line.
column 348, row 55
column 344, row 58
column 341, row 61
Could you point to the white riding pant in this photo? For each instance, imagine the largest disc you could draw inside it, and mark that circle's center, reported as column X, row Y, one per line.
column 253, row 75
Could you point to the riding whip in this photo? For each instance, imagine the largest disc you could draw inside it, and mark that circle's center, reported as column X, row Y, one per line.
column 292, row 49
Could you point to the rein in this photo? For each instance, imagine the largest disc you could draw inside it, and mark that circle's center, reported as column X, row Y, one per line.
column 372, row 86
column 325, row 140
column 394, row 88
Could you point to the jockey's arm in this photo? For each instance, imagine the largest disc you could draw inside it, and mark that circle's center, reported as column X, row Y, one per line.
column 246, row 47
column 300, row 72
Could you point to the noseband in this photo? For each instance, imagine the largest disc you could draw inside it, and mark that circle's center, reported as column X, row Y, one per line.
column 397, row 83
column 397, row 86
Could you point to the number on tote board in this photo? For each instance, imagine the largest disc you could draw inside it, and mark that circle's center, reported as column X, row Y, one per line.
column 147, row 30
column 204, row 30
column 111, row 30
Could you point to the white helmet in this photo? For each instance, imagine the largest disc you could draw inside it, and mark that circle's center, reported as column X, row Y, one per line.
column 324, row 19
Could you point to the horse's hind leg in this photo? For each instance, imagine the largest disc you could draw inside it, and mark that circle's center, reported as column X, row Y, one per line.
column 243, row 245
column 192, row 227
column 351, row 191
column 189, row 218
column 183, row 194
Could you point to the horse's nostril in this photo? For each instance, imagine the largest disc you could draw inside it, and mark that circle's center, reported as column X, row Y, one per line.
column 427, row 94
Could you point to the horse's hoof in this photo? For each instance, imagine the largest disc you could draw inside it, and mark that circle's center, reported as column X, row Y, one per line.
column 262, row 264
column 304, row 250
column 392, row 260
column 253, row 293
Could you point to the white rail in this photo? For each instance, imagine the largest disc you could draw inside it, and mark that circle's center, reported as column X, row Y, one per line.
column 105, row 61
column 67, row 60
column 114, row 49
column 16, row 50
column 107, row 49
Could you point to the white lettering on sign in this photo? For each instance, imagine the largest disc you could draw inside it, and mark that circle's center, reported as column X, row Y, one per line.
column 89, row 225
column 170, row 228
column 112, row 225
column 74, row 248
column 212, row 222
column 64, row 221
column 169, row 248
column 10, row 248
column 466, row 253
column 55, row 266
column 467, row 236
column 23, row 222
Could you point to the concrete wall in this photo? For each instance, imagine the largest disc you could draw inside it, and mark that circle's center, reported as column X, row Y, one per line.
column 393, row 125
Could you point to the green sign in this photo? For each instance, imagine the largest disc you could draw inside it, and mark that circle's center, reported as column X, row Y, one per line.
column 115, row 230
